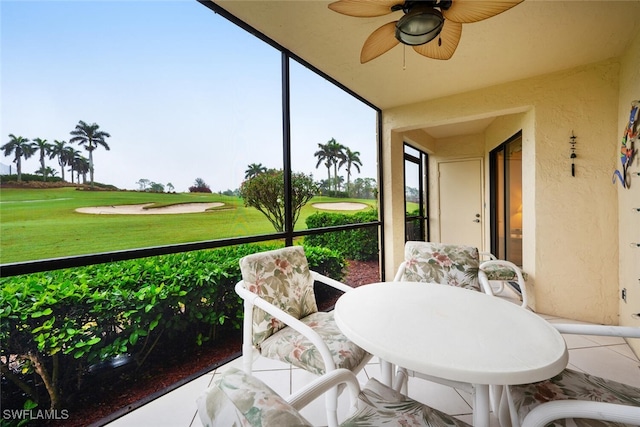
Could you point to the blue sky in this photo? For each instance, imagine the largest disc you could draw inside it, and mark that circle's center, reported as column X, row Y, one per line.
column 184, row 93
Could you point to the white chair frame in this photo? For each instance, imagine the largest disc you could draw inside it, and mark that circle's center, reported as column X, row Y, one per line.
column 560, row 409
column 252, row 300
column 484, row 280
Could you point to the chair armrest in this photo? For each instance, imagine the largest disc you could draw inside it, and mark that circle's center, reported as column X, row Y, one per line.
column 319, row 386
column 487, row 255
column 400, row 273
column 330, row 282
column 289, row 320
column 550, row 411
column 484, row 283
column 601, row 330
column 507, row 264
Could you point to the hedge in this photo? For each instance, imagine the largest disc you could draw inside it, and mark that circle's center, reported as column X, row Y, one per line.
column 57, row 324
column 359, row 244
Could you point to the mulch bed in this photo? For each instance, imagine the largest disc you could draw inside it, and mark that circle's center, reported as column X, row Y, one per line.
column 117, row 395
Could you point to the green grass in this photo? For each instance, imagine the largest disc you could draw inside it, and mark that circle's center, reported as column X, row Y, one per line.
column 42, row 223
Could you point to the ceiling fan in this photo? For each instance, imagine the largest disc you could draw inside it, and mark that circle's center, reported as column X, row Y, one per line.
column 432, row 27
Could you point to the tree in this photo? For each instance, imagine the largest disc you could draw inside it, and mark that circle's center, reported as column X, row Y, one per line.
column 45, row 148
column 20, row 147
column 331, row 153
column 323, row 156
column 156, row 187
column 200, row 187
column 351, row 159
column 170, row 187
column 59, row 149
column 265, row 192
column 89, row 136
column 254, row 169
column 81, row 166
column 71, row 157
column 47, row 171
column 365, row 188
column 143, row 183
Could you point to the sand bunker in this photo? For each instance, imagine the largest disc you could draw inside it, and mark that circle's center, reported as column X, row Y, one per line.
column 140, row 209
column 340, row 206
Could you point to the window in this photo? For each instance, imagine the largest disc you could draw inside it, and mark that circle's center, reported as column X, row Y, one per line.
column 506, row 200
column 181, row 104
column 415, row 196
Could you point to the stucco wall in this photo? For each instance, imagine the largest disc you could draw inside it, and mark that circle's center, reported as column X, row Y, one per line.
column 629, row 199
column 570, row 223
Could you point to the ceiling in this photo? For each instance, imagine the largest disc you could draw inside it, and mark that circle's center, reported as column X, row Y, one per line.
column 533, row 38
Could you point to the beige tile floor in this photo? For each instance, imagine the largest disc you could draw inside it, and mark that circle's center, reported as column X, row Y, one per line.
column 606, row 357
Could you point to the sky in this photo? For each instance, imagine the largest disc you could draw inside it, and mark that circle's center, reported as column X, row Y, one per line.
column 183, row 93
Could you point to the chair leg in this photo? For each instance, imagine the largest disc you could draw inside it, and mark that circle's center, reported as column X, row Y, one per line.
column 508, row 415
column 386, row 371
column 495, row 392
column 401, row 381
column 331, row 401
column 247, row 357
column 481, row 405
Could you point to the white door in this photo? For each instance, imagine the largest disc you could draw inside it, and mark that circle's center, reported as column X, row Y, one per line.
column 461, row 213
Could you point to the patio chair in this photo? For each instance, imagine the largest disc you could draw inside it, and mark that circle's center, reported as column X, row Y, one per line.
column 241, row 399
column 282, row 321
column 457, row 265
column 573, row 395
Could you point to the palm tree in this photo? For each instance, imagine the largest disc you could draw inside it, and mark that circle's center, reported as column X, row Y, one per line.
column 323, row 156
column 351, row 159
column 20, row 147
column 59, row 150
column 91, row 138
column 336, row 154
column 254, row 169
column 81, row 165
column 45, row 148
column 48, row 171
column 70, row 158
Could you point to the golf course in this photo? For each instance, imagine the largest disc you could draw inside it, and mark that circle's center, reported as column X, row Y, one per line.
column 58, row 222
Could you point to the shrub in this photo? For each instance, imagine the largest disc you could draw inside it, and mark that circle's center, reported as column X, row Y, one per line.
column 57, row 324
column 194, row 189
column 359, row 244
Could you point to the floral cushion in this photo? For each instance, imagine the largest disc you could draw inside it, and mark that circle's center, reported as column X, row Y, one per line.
column 288, row 345
column 379, row 405
column 282, row 278
column 502, row 273
column 453, row 265
column 571, row 384
column 238, row 399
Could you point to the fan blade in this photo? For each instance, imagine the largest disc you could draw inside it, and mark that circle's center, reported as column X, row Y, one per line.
column 364, row 8
column 380, row 41
column 443, row 46
column 468, row 11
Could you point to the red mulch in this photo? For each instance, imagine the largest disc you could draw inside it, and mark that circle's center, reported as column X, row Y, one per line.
column 111, row 398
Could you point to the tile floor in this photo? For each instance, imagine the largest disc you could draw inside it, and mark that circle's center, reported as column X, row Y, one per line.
column 603, row 356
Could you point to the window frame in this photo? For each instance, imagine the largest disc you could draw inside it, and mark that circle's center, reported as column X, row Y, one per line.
column 423, row 171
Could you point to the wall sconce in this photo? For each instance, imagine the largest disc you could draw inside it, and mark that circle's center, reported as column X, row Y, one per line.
column 573, row 153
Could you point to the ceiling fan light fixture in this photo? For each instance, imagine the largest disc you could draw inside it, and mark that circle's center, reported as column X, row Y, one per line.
column 421, row 25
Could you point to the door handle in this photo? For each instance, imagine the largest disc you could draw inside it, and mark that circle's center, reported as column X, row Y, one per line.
column 476, row 220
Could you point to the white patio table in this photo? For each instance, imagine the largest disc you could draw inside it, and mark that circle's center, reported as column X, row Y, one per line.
column 452, row 333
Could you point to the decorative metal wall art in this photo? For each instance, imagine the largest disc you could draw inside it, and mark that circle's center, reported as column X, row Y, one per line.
column 627, row 149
